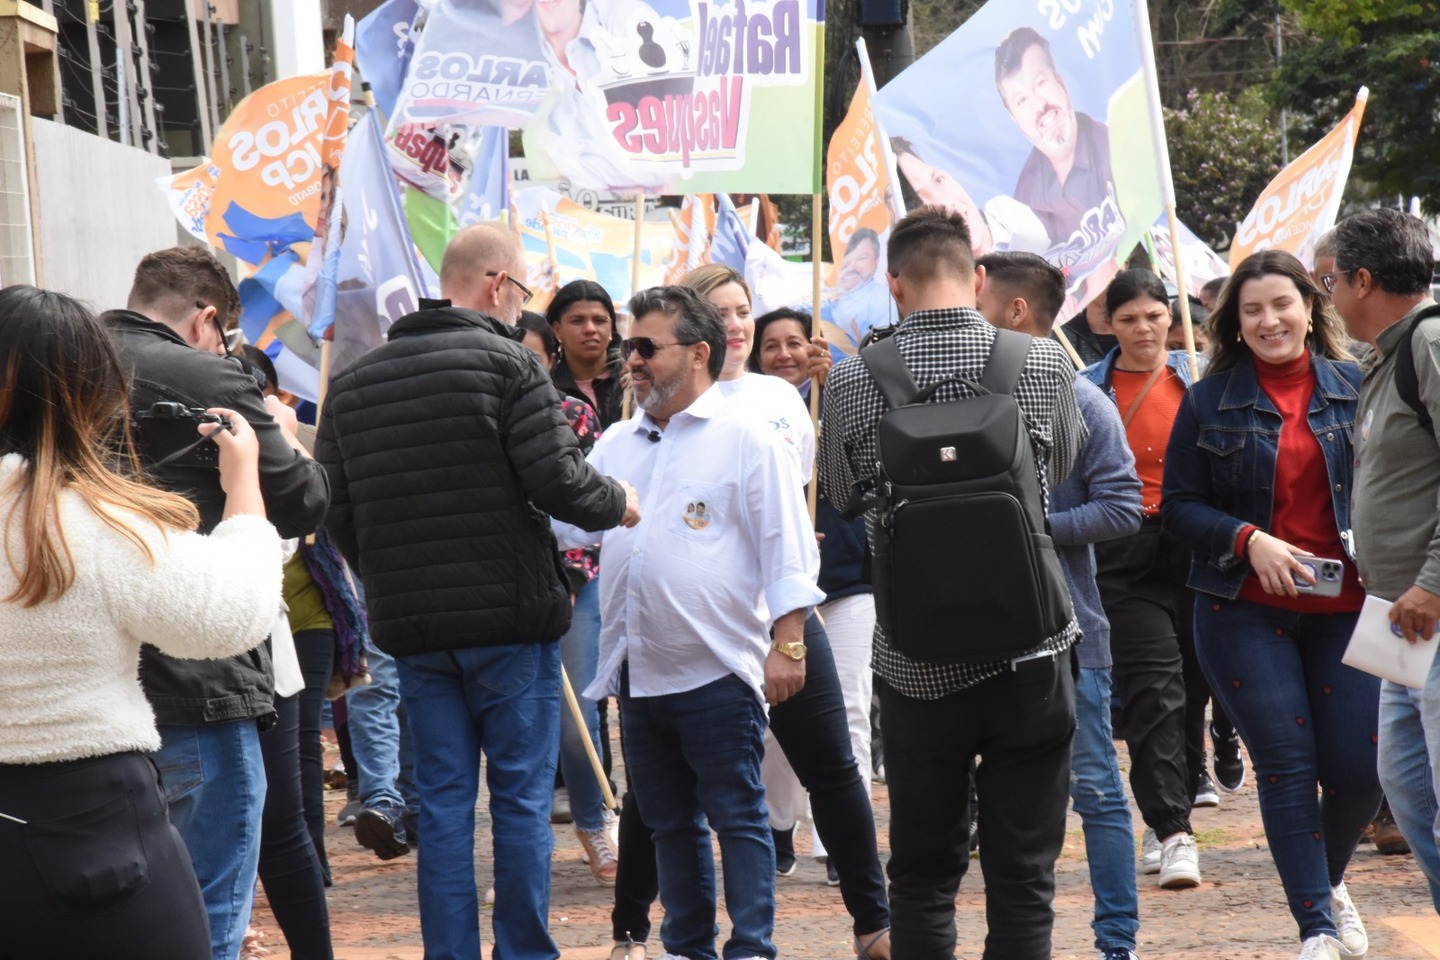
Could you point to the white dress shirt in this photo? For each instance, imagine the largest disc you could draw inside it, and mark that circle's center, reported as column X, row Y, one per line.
column 765, row 399
column 724, row 547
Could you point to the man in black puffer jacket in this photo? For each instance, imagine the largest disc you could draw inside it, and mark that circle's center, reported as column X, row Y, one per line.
column 446, row 449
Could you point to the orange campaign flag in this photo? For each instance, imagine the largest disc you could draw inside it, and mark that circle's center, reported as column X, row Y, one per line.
column 1303, row 200
column 261, row 191
column 694, row 226
column 856, row 175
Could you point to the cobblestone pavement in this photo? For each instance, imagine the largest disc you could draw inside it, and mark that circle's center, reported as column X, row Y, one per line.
column 1237, row 913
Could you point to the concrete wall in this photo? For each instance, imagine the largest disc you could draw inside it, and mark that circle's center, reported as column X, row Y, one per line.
column 100, row 212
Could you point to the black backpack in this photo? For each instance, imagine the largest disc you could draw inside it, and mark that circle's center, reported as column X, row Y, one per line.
column 964, row 569
column 1407, row 382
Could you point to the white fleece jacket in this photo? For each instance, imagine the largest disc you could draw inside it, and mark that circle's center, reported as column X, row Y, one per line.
column 69, row 669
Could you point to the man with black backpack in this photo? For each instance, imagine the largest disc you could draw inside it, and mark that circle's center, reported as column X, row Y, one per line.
column 947, row 435
column 1380, row 284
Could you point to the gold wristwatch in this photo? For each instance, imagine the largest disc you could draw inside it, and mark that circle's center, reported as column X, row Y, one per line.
column 795, row 650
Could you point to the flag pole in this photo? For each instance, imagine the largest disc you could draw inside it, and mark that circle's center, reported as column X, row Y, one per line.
column 550, row 250
column 815, row 227
column 1167, row 179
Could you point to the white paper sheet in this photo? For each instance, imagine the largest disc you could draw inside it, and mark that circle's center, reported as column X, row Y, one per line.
column 1376, row 647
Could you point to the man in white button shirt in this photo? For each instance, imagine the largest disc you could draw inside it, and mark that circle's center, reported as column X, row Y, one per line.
column 687, row 602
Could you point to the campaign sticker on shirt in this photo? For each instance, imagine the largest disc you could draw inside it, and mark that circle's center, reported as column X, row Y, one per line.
column 697, row 516
column 698, row 511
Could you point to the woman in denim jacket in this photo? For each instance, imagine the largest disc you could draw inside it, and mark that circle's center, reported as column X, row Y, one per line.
column 1258, row 478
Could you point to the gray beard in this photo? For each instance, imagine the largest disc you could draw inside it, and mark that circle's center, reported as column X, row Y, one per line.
column 660, row 392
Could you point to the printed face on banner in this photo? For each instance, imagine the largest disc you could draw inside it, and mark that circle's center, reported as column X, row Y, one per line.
column 629, row 94
column 1053, row 153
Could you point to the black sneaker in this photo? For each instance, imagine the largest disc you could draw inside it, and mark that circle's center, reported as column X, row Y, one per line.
column 382, row 828
column 832, row 876
column 1205, row 795
column 1229, row 765
column 784, row 851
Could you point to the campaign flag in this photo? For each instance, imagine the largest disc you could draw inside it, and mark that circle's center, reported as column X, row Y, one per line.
column 732, row 235
column 586, row 245
column 860, row 179
column 1200, row 263
column 664, row 96
column 384, row 45
column 1303, row 200
column 381, row 279
column 273, row 172
column 1059, row 157
column 694, row 226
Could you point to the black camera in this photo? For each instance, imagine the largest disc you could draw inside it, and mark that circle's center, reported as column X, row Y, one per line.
column 168, row 435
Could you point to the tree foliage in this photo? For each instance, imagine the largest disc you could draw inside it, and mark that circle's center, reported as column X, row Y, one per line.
column 1223, row 151
column 1393, row 47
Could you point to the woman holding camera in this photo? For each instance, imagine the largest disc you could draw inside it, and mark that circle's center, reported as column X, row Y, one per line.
column 1257, row 482
column 96, row 563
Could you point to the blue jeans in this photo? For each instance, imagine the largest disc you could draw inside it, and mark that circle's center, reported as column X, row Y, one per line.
column 1410, row 767
column 1099, row 797
column 380, row 736
column 1306, row 718
column 214, row 780
column 504, row 701
column 695, row 756
column 580, row 652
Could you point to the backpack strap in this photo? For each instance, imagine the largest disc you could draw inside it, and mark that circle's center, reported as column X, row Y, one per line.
column 887, row 368
column 1007, row 361
column 1407, row 382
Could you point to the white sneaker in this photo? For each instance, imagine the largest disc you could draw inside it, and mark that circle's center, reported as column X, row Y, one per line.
column 1353, row 941
column 1322, row 946
column 1179, row 863
column 1150, row 853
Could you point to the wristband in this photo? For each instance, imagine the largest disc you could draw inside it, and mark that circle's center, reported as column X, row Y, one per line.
column 1250, row 540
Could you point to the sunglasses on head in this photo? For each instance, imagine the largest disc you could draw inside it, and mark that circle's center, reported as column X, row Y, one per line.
column 646, row 346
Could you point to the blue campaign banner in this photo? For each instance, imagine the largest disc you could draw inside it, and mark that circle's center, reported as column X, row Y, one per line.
column 383, row 48
column 380, row 279
column 732, row 236
column 1051, row 149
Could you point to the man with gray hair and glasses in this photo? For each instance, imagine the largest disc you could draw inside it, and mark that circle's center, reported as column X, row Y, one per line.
column 1380, row 284
column 688, row 604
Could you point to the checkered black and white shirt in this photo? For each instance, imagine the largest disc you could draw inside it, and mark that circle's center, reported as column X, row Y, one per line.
column 937, row 344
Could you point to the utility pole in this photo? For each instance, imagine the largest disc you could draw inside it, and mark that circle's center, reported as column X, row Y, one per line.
column 885, row 25
column 1284, row 114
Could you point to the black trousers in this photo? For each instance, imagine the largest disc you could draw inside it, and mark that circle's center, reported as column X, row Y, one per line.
column 97, row 870
column 316, row 651
column 1020, row 724
column 811, row 728
column 289, row 868
column 1142, row 588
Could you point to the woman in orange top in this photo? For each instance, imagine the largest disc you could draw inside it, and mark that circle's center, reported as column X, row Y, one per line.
column 1142, row 583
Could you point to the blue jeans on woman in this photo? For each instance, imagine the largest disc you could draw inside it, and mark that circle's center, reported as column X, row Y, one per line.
column 580, row 652
column 1098, row 793
column 1305, row 718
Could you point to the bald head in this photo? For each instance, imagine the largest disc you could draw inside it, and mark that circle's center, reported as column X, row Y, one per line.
column 477, row 270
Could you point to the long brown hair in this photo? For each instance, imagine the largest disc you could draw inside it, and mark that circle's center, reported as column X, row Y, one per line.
column 63, row 408
column 1324, row 338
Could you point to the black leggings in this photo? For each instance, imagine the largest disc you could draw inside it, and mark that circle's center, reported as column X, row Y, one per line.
column 316, row 650
column 97, row 870
column 289, row 868
column 812, row 730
